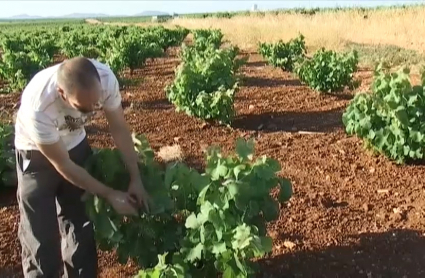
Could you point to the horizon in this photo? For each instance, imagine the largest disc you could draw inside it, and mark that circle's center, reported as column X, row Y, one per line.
column 116, row 8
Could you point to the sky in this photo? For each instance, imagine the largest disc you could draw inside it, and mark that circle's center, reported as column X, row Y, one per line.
column 56, row 8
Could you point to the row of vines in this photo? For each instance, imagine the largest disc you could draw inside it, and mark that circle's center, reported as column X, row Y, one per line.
column 325, row 71
column 25, row 52
column 207, row 79
column 389, row 119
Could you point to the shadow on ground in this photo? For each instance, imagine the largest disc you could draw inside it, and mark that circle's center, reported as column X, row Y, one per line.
column 266, row 82
column 11, row 272
column 7, row 197
column 95, row 129
column 311, row 121
column 397, row 253
column 158, row 104
column 195, row 162
column 256, row 64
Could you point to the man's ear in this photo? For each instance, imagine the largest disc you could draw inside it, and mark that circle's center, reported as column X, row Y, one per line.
column 61, row 93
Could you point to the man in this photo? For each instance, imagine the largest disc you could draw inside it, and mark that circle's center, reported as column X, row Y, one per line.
column 51, row 148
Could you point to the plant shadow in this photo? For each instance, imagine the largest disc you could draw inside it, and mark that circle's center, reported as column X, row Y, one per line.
column 310, row 121
column 7, row 196
column 195, row 162
column 341, row 95
column 157, row 104
column 256, row 64
column 11, row 272
column 93, row 128
column 266, row 82
column 396, row 253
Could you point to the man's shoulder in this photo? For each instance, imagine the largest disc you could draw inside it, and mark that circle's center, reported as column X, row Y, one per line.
column 107, row 76
column 39, row 92
column 104, row 70
column 46, row 73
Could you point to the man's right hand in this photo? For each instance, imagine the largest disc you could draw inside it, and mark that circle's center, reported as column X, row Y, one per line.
column 122, row 202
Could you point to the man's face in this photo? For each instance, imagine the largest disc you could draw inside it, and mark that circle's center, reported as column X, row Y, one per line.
column 84, row 101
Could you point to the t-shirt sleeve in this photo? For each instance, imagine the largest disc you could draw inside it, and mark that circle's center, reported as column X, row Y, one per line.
column 113, row 96
column 41, row 128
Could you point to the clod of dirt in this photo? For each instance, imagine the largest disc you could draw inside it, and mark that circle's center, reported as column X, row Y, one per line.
column 170, row 153
column 383, row 191
column 289, row 244
column 367, row 207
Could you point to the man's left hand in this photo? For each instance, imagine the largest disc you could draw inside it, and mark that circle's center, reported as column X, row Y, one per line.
column 138, row 191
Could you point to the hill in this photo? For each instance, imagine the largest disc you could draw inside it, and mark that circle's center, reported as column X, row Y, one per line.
column 84, row 15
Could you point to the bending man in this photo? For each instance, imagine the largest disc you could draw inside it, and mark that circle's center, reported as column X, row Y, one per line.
column 51, row 148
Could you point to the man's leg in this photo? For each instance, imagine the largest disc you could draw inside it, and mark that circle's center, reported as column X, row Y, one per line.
column 78, row 243
column 38, row 230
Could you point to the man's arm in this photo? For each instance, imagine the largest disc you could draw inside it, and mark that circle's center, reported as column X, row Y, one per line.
column 123, row 140
column 122, row 137
column 58, row 156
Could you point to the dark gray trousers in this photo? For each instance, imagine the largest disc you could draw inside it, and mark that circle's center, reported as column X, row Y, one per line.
column 55, row 233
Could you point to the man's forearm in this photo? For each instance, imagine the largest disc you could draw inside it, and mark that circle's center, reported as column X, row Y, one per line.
column 81, row 178
column 124, row 142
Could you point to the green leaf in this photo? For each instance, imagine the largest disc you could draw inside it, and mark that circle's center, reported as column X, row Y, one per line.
column 219, row 226
column 195, row 253
column 402, row 116
column 238, row 169
column 219, row 248
column 267, row 244
column 285, row 190
column 104, row 225
column 239, row 264
column 219, row 171
column 169, row 175
column 229, row 272
column 202, row 195
column 192, row 222
column 242, row 237
column 233, row 188
column 207, row 234
column 245, row 149
column 270, row 210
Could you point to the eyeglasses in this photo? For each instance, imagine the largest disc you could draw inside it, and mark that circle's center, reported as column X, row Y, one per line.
column 96, row 107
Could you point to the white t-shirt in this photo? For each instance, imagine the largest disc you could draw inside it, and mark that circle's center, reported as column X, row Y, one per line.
column 43, row 117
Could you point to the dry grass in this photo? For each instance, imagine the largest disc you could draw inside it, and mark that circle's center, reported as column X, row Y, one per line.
column 400, row 27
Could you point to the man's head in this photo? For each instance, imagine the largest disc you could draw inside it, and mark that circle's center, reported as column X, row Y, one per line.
column 79, row 84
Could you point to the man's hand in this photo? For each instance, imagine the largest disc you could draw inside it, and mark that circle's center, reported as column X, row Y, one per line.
column 122, row 202
column 137, row 190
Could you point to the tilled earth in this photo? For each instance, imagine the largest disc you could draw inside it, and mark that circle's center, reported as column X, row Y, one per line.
column 352, row 214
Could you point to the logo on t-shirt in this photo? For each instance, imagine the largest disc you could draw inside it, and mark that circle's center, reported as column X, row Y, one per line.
column 75, row 123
